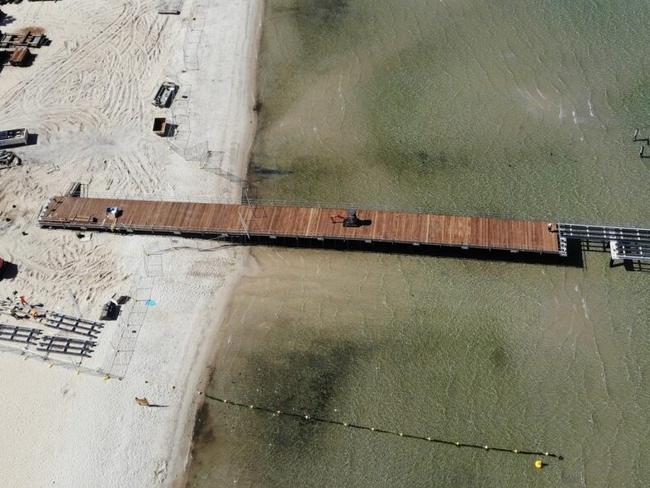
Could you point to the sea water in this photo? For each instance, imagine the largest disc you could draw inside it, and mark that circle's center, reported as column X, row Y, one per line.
column 514, row 108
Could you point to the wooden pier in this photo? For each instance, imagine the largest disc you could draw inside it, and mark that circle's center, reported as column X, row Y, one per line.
column 300, row 223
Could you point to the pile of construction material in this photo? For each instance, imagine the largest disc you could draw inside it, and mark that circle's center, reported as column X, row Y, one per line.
column 9, row 159
column 20, row 308
column 26, row 39
column 18, row 44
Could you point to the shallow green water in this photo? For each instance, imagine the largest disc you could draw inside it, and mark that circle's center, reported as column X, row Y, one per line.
column 515, row 108
column 509, row 107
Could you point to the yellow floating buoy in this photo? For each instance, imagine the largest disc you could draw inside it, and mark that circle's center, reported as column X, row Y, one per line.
column 538, row 464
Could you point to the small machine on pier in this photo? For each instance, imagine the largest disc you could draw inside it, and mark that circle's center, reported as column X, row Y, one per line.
column 350, row 219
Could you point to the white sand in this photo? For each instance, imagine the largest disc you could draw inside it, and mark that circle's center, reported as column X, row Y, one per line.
column 88, row 97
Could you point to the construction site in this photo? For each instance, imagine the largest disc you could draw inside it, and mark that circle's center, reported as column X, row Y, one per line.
column 90, row 322
column 125, row 131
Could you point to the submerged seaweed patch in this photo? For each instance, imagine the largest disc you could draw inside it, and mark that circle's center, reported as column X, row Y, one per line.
column 267, row 172
column 305, row 380
column 323, row 13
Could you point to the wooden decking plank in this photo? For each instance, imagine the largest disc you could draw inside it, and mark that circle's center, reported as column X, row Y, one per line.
column 434, row 233
column 476, row 237
column 193, row 215
column 519, row 236
column 202, row 216
column 175, row 210
column 182, row 217
column 207, row 217
column 274, row 220
column 290, row 223
column 327, row 228
column 375, row 227
column 310, row 222
column 392, row 226
column 423, row 227
column 134, row 219
column 325, row 225
column 303, row 217
column 403, row 227
column 162, row 215
column 378, row 226
column 414, row 225
column 154, row 212
column 72, row 213
column 529, row 238
column 158, row 215
column 231, row 218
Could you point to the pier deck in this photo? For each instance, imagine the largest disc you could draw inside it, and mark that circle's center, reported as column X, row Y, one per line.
column 225, row 220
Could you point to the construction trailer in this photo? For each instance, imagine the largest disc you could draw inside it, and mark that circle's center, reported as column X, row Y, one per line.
column 13, row 137
column 165, row 94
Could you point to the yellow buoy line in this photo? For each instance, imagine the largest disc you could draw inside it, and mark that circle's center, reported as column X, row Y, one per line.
column 309, row 418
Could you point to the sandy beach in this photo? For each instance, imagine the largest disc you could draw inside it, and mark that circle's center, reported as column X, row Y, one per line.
column 87, row 98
